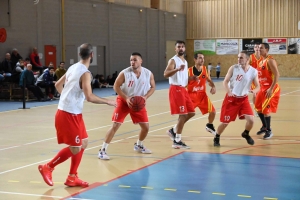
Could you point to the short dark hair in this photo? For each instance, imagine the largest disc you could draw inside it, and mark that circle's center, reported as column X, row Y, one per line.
column 136, row 54
column 179, row 42
column 50, row 68
column 246, row 53
column 196, row 55
column 266, row 45
column 62, row 62
column 85, row 51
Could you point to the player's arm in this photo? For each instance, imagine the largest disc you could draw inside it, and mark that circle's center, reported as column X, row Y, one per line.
column 227, row 79
column 256, row 83
column 85, row 81
column 273, row 67
column 152, row 87
column 59, row 85
column 171, row 69
column 210, row 83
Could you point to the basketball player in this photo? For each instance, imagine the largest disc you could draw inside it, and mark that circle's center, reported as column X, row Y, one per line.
column 180, row 101
column 132, row 81
column 254, row 61
column 198, row 75
column 74, row 87
column 267, row 98
column 237, row 84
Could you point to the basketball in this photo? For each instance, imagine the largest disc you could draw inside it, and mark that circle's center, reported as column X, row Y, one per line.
column 138, row 103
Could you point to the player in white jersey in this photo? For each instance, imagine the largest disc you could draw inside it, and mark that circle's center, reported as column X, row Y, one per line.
column 180, row 102
column 132, row 81
column 74, row 87
column 237, row 84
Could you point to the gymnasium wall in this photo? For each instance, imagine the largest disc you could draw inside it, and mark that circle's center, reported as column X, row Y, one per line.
column 236, row 19
column 120, row 29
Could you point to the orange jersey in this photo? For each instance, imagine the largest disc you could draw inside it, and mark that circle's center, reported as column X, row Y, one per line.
column 199, row 85
column 254, row 62
column 265, row 75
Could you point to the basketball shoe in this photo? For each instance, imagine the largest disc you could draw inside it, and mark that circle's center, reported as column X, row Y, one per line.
column 180, row 145
column 216, row 141
column 171, row 134
column 262, row 131
column 73, row 181
column 210, row 128
column 46, row 173
column 248, row 138
column 268, row 135
column 102, row 155
column 141, row 149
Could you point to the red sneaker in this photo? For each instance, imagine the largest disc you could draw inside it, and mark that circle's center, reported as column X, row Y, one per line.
column 46, row 173
column 73, row 181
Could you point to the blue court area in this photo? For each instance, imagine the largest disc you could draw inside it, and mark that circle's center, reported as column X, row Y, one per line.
column 206, row 176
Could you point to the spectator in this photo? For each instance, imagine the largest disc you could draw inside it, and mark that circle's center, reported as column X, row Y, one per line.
column 95, row 82
column 15, row 56
column 35, row 61
column 60, row 71
column 20, row 66
column 29, row 81
column 7, row 66
column 218, row 70
column 108, row 79
column 46, row 80
column 209, row 67
column 113, row 79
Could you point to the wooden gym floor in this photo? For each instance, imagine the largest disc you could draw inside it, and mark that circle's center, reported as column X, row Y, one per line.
column 268, row 170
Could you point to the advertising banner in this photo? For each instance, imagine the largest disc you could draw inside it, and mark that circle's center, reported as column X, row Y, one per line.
column 293, row 46
column 227, row 46
column 207, row 47
column 277, row 45
column 248, row 44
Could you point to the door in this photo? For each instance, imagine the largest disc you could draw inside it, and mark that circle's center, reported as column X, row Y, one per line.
column 50, row 55
column 101, row 67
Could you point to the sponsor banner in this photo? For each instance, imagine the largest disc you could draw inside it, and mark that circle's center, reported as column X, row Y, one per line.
column 227, row 46
column 277, row 45
column 207, row 47
column 248, row 44
column 293, row 46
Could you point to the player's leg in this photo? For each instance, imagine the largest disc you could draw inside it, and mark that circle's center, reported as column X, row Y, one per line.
column 260, row 98
column 248, row 127
column 139, row 146
column 207, row 107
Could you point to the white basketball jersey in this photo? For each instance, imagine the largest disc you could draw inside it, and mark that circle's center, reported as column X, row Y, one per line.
column 240, row 82
column 134, row 86
column 180, row 77
column 72, row 96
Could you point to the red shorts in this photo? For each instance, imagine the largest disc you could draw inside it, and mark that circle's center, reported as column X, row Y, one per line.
column 264, row 105
column 233, row 106
column 201, row 100
column 180, row 101
column 70, row 128
column 122, row 110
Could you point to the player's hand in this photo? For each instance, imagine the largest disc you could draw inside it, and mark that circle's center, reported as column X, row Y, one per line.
column 129, row 103
column 195, row 78
column 181, row 68
column 269, row 93
column 213, row 90
column 112, row 103
column 229, row 94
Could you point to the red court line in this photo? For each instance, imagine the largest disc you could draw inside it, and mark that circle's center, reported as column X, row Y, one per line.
column 97, row 184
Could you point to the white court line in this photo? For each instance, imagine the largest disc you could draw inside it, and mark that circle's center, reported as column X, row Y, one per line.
column 111, row 142
column 39, row 195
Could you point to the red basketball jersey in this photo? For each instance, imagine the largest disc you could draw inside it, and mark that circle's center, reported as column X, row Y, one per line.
column 265, row 75
column 254, row 62
column 199, row 85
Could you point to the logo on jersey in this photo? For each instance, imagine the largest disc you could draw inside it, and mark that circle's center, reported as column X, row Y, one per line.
column 203, row 76
column 268, row 106
column 263, row 67
column 195, row 89
column 181, row 109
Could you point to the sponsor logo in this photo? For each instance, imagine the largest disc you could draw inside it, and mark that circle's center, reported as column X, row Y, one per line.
column 195, row 89
column 203, row 76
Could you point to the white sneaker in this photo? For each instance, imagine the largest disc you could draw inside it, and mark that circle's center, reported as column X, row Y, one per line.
column 102, row 155
column 141, row 149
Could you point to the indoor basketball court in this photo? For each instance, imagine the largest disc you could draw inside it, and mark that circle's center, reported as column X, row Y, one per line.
column 268, row 170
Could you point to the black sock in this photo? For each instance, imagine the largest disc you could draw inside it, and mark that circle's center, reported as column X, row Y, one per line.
column 268, row 122
column 247, row 132
column 262, row 119
column 217, row 135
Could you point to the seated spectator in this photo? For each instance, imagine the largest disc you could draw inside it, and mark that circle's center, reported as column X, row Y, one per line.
column 108, row 79
column 7, row 66
column 95, row 82
column 35, row 61
column 60, row 71
column 46, row 80
column 103, row 83
column 113, row 79
column 15, row 56
column 28, row 76
column 20, row 66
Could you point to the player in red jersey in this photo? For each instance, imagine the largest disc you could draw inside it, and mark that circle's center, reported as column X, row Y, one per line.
column 198, row 76
column 267, row 98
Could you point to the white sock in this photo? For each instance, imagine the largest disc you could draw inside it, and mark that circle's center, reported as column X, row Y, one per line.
column 178, row 137
column 104, row 146
column 139, row 142
column 175, row 128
